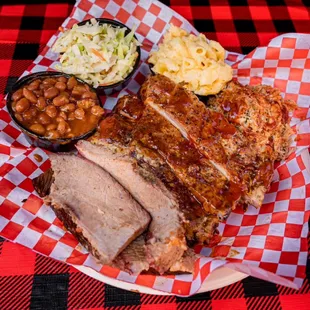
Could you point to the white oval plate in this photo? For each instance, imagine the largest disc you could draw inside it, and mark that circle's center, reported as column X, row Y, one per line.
column 219, row 278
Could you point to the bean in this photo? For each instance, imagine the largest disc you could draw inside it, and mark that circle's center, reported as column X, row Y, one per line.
column 41, row 103
column 33, row 111
column 51, row 127
column 78, row 90
column 19, row 117
column 51, row 93
column 27, row 115
column 72, row 82
column 89, row 94
column 44, row 119
column 70, row 107
column 63, row 115
column 38, row 129
column 61, row 85
column 53, row 134
column 34, row 85
column 62, row 127
column 86, row 103
column 38, row 92
column 97, row 110
column 60, row 100
column 49, row 81
column 30, row 95
column 79, row 113
column 17, row 95
column 51, row 111
column 71, row 116
column 38, row 157
column 62, row 79
column 64, row 93
column 30, row 114
column 59, row 119
column 22, row 105
column 44, row 86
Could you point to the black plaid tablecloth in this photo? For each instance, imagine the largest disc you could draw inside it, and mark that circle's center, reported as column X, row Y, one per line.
column 29, row 280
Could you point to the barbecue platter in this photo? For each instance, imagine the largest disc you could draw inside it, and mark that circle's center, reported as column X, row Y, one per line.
column 165, row 166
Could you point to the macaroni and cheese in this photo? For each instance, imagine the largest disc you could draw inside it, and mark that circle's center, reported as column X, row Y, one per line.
column 193, row 60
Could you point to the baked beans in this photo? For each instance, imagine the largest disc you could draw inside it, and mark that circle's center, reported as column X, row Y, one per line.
column 57, row 107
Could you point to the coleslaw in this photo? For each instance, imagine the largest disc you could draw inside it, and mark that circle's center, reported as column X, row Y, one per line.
column 100, row 54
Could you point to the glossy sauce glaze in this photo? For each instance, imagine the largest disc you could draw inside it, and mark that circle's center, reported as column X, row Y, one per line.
column 154, row 132
column 117, row 128
column 195, row 171
column 57, row 107
column 203, row 127
column 241, row 129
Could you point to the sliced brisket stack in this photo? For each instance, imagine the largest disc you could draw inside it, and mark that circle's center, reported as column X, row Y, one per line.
column 93, row 206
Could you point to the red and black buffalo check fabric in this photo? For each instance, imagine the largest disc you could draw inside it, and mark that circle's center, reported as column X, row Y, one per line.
column 31, row 281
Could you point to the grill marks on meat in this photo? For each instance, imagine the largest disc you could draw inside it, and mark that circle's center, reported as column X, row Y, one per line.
column 96, row 209
column 165, row 242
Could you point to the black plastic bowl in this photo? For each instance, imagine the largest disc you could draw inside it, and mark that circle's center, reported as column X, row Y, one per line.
column 58, row 145
column 109, row 89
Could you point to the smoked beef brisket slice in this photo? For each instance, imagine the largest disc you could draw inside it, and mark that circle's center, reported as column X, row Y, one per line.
column 165, row 240
column 94, row 207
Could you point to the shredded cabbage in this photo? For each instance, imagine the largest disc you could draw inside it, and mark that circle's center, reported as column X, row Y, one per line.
column 99, row 54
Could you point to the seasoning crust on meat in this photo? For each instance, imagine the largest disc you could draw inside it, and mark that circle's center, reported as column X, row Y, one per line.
column 242, row 130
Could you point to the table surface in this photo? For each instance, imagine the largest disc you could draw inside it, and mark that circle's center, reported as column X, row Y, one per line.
column 29, row 280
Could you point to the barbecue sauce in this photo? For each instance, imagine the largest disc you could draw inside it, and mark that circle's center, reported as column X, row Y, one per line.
column 210, row 187
column 221, row 125
column 264, row 174
column 130, row 107
column 195, row 171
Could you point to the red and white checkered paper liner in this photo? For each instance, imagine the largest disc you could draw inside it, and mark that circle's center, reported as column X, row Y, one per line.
column 269, row 243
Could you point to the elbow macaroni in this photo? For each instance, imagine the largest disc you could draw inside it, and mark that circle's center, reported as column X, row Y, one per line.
column 193, row 60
